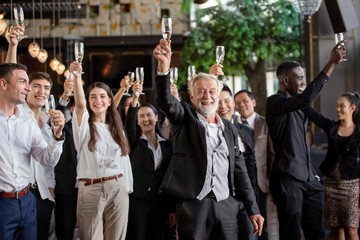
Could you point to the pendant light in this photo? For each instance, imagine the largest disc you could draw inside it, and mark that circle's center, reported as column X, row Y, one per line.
column 2, row 24
column 43, row 55
column 54, row 63
column 33, row 48
column 61, row 66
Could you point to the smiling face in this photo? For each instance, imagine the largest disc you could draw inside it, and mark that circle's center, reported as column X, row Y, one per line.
column 344, row 109
column 40, row 91
column 17, row 87
column 226, row 105
column 147, row 119
column 205, row 96
column 244, row 105
column 99, row 101
column 295, row 80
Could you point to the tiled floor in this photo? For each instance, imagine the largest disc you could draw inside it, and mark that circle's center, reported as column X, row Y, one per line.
column 273, row 224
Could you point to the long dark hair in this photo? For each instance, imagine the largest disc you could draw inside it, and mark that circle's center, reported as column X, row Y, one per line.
column 354, row 99
column 156, row 114
column 112, row 120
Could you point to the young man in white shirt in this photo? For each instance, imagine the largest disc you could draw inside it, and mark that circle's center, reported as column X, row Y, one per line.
column 42, row 178
column 21, row 139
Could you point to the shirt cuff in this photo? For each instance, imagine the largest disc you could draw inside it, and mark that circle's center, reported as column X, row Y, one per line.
column 62, row 102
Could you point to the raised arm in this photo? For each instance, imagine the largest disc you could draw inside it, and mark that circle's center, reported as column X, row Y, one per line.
column 124, row 85
column 167, row 102
column 130, row 122
column 79, row 95
column 15, row 32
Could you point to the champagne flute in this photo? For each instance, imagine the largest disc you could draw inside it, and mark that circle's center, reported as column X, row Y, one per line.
column 131, row 80
column 220, row 54
column 191, row 72
column 50, row 106
column 79, row 53
column 19, row 19
column 173, row 75
column 166, row 29
column 338, row 38
column 140, row 76
column 69, row 75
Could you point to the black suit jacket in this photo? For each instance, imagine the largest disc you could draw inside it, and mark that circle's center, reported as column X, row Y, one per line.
column 65, row 169
column 185, row 176
column 247, row 135
column 350, row 159
column 142, row 160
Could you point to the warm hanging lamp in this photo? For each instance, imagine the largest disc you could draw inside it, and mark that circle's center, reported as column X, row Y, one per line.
column 61, row 67
column 2, row 24
column 43, row 55
column 54, row 63
column 33, row 48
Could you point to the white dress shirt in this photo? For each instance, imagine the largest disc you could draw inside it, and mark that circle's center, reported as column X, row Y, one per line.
column 43, row 176
column 250, row 120
column 20, row 139
column 157, row 152
column 107, row 160
column 216, row 178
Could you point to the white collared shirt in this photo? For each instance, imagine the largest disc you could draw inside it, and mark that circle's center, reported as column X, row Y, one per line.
column 240, row 140
column 250, row 120
column 217, row 151
column 106, row 160
column 20, row 139
column 157, row 152
column 43, row 176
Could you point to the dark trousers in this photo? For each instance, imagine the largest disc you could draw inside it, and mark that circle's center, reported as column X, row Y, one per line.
column 262, row 202
column 244, row 224
column 299, row 204
column 199, row 220
column 18, row 218
column 147, row 219
column 44, row 209
column 65, row 215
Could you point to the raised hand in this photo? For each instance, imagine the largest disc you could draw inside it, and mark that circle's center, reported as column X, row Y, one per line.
column 75, row 68
column 57, row 119
column 216, row 70
column 14, row 35
column 164, row 59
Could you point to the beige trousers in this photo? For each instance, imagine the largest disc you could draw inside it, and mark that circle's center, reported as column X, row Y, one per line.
column 102, row 210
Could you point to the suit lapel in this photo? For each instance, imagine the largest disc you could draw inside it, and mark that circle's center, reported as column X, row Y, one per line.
column 244, row 137
column 229, row 138
column 257, row 127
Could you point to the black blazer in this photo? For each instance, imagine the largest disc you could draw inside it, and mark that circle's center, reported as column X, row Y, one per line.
column 350, row 159
column 185, row 176
column 65, row 169
column 142, row 160
column 247, row 134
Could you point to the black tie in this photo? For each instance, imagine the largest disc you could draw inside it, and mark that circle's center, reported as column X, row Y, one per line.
column 244, row 121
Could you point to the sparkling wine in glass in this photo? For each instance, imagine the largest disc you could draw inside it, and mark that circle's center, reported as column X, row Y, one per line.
column 173, row 75
column 166, row 29
column 338, row 38
column 191, row 72
column 50, row 106
column 220, row 54
column 139, row 72
column 19, row 19
column 131, row 76
column 79, row 52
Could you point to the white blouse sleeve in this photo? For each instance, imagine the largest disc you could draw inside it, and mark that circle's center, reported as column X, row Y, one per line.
column 79, row 132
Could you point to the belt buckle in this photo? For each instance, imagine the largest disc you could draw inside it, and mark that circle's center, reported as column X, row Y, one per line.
column 103, row 179
column 17, row 195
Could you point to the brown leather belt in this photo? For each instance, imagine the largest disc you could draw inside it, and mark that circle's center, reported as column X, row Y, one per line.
column 90, row 181
column 16, row 195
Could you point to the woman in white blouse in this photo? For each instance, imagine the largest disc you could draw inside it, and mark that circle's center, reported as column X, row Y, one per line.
column 104, row 170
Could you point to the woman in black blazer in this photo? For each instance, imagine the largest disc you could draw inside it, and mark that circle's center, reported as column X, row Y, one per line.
column 341, row 166
column 150, row 155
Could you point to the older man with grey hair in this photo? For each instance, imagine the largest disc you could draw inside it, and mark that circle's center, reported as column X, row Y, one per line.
column 207, row 168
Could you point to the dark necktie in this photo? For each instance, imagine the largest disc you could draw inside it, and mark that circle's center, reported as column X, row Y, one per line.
column 244, row 121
